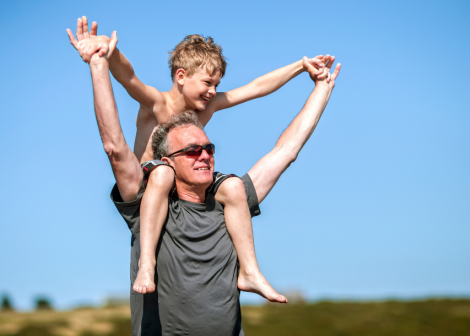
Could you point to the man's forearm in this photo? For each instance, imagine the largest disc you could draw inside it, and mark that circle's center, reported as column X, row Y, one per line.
column 267, row 171
column 105, row 108
column 302, row 127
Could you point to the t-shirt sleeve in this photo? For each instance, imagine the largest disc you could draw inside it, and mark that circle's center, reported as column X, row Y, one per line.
column 130, row 211
column 251, row 196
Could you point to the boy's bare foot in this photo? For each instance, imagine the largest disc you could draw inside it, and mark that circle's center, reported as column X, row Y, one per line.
column 256, row 283
column 144, row 283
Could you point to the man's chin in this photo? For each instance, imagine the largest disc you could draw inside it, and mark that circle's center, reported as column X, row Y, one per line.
column 203, row 176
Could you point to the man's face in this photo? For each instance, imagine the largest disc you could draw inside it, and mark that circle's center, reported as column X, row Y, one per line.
column 200, row 88
column 191, row 171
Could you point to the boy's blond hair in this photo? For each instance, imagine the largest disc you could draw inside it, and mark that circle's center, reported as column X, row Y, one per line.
column 194, row 52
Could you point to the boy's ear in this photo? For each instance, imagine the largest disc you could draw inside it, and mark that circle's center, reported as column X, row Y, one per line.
column 180, row 76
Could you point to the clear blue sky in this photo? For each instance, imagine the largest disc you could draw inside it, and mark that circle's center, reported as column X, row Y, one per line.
column 376, row 206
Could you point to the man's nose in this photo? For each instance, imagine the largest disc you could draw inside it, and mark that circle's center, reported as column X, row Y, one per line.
column 204, row 155
column 212, row 89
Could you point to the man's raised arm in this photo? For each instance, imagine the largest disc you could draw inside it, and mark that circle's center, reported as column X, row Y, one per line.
column 267, row 171
column 126, row 167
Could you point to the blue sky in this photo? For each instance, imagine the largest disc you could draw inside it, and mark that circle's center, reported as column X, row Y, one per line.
column 376, row 206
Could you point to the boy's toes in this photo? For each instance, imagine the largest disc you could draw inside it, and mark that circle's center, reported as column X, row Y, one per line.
column 282, row 299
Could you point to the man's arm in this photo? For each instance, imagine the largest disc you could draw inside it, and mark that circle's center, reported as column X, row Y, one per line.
column 126, row 167
column 88, row 44
column 267, row 171
column 264, row 85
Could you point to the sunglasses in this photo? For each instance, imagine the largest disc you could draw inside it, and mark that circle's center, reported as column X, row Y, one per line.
column 195, row 150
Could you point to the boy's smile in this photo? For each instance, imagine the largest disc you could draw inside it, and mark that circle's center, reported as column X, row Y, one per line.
column 200, row 88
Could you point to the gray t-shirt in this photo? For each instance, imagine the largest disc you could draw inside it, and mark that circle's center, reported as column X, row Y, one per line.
column 197, row 269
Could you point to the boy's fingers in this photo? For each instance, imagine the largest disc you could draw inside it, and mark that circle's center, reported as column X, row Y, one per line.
column 307, row 63
column 73, row 41
column 94, row 28
column 317, row 62
column 79, row 30
column 323, row 75
column 103, row 51
column 85, row 27
column 311, row 69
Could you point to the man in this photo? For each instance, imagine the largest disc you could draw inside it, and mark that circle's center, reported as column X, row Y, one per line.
column 196, row 262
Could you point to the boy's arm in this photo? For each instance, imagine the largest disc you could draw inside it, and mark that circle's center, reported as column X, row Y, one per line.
column 123, row 72
column 88, row 44
column 264, row 85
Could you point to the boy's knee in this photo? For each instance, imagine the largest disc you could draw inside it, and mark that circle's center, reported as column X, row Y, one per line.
column 162, row 175
column 233, row 188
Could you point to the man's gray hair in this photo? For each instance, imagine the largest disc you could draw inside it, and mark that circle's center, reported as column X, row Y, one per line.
column 160, row 136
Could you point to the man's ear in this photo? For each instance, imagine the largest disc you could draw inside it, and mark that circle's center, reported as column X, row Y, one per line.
column 180, row 76
column 168, row 161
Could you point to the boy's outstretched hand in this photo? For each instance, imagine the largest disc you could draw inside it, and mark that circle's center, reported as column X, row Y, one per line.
column 108, row 50
column 318, row 63
column 325, row 72
column 88, row 43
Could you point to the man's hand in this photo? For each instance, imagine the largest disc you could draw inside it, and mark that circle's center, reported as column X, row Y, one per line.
column 87, row 43
column 99, row 56
column 82, row 31
column 325, row 76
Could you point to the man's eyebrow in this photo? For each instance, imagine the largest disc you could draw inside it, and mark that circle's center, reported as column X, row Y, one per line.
column 195, row 144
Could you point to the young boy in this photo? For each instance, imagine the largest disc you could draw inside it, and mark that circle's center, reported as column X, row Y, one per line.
column 197, row 66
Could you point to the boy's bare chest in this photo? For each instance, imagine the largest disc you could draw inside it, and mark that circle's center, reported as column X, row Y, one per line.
column 147, row 120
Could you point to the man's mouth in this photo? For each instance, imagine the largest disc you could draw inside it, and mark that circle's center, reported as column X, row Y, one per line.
column 205, row 98
column 203, row 168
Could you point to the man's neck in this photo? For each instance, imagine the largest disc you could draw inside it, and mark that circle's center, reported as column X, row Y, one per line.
column 195, row 194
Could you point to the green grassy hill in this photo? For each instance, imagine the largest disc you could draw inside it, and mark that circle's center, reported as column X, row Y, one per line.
column 390, row 318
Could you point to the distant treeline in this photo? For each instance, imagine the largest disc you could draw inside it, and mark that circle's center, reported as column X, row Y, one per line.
column 41, row 303
column 443, row 317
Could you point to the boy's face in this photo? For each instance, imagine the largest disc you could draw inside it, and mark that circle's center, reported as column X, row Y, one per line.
column 200, row 88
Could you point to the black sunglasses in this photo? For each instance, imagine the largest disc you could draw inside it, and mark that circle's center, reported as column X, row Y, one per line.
column 195, row 150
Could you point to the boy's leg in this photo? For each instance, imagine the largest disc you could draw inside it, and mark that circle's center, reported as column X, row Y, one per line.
column 153, row 212
column 231, row 194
